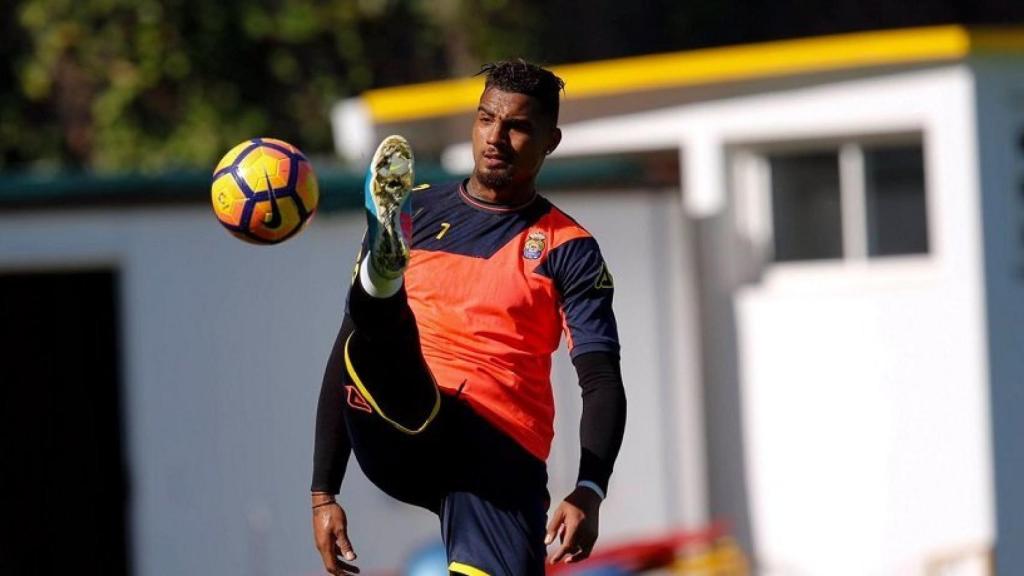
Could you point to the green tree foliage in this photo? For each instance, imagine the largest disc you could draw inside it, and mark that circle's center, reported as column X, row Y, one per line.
column 155, row 84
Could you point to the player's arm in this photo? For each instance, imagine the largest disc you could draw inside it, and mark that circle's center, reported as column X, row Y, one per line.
column 586, row 289
column 576, row 520
column 603, row 422
column 331, row 452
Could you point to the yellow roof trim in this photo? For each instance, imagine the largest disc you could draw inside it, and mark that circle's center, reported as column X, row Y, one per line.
column 727, row 64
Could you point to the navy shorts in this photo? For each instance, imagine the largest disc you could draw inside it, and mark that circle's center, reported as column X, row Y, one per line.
column 488, row 491
column 485, row 537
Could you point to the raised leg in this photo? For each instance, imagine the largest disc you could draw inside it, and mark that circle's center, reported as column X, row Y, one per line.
column 383, row 356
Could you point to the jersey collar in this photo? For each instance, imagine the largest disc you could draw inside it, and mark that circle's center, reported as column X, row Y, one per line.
column 491, row 207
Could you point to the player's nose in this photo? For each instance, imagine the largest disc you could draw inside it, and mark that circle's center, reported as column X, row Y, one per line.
column 495, row 133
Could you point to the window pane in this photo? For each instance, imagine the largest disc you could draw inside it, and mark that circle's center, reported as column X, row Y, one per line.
column 894, row 183
column 805, row 206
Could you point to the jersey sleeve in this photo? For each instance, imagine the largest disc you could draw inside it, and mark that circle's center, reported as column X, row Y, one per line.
column 585, row 289
column 331, row 444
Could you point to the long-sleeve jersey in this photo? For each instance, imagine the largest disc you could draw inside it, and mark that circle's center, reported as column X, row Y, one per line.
column 493, row 290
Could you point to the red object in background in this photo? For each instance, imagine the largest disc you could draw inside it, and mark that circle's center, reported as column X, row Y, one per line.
column 644, row 554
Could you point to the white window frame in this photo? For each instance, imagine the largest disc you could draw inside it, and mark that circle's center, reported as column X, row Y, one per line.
column 750, row 175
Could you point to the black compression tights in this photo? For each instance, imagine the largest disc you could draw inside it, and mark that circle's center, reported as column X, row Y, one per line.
column 384, row 354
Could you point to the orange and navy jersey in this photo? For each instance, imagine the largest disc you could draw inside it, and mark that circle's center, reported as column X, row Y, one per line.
column 493, row 289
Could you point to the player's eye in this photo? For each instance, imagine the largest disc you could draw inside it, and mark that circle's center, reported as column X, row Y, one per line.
column 523, row 127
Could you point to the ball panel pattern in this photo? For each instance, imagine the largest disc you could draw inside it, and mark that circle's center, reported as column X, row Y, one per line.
column 261, row 164
column 271, row 224
column 233, row 155
column 228, row 200
column 307, row 188
column 274, row 142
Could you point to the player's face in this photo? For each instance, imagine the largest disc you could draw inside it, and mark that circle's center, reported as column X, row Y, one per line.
column 511, row 137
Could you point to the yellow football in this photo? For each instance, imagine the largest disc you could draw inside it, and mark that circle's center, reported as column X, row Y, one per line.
column 264, row 191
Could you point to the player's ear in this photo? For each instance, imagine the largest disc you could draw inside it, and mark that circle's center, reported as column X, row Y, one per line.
column 556, row 137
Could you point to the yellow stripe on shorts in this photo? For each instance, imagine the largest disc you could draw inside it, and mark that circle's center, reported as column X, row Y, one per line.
column 460, row 568
column 369, row 398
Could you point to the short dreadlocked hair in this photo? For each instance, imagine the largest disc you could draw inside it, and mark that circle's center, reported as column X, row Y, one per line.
column 522, row 77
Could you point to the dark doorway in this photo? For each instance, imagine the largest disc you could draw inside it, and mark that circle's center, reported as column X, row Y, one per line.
column 63, row 485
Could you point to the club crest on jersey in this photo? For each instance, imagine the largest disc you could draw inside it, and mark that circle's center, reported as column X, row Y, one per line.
column 534, row 245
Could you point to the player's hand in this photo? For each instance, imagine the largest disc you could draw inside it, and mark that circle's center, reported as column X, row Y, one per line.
column 575, row 524
column 330, row 534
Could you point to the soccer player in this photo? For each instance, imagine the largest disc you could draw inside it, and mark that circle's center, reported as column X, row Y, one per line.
column 439, row 380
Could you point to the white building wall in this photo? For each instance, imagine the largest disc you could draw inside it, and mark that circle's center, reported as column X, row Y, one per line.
column 224, row 346
column 224, row 349
column 865, row 382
